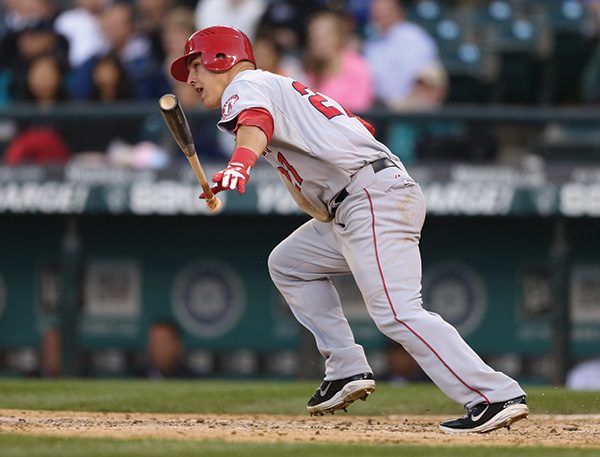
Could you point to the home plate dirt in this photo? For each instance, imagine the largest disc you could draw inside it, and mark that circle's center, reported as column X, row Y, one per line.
column 539, row 430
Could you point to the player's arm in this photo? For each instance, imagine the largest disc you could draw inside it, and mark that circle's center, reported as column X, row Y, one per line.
column 251, row 137
column 253, row 132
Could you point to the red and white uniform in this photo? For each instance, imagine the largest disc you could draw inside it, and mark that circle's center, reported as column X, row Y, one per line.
column 375, row 236
column 315, row 143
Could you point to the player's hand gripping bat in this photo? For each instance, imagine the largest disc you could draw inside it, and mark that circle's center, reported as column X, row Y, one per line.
column 180, row 129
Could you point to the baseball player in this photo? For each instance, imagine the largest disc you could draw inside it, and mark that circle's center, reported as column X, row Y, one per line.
column 367, row 218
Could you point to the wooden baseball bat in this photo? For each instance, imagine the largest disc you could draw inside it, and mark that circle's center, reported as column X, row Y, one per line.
column 180, row 129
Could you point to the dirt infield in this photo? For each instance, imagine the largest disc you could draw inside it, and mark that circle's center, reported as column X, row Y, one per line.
column 539, row 430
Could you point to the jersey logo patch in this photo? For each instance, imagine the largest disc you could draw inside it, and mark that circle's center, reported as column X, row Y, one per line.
column 228, row 106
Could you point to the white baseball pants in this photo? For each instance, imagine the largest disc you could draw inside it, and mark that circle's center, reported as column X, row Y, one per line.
column 375, row 236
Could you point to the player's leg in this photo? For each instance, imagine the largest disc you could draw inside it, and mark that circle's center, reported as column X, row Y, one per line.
column 301, row 267
column 380, row 242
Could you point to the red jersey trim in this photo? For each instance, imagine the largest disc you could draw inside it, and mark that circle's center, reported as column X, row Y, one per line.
column 369, row 126
column 257, row 117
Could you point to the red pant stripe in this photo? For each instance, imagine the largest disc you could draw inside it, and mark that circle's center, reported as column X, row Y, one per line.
column 394, row 311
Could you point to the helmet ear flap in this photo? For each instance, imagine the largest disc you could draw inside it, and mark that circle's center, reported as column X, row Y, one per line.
column 220, row 61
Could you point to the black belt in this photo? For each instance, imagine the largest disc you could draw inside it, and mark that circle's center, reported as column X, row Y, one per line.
column 378, row 165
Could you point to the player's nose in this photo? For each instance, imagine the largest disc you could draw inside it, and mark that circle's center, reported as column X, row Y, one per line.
column 191, row 79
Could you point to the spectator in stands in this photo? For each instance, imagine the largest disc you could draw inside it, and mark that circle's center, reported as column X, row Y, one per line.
column 119, row 28
column 287, row 20
column 357, row 9
column 165, row 352
column 12, row 17
column 20, row 49
column 81, row 27
column 177, row 26
column 110, row 82
column 332, row 67
column 40, row 144
column 152, row 14
column 241, row 14
column 428, row 91
column 15, row 15
column 45, row 81
column 270, row 57
column 398, row 52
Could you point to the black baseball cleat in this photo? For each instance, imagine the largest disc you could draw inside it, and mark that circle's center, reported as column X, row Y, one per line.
column 486, row 417
column 334, row 395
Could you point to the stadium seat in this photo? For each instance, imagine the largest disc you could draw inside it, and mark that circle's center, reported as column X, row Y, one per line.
column 519, row 35
column 562, row 15
column 426, row 12
column 570, row 143
column 495, row 12
column 470, row 69
column 520, row 46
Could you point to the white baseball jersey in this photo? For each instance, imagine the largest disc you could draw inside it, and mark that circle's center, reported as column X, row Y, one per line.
column 316, row 143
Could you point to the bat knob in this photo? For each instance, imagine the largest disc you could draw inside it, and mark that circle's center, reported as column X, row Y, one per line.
column 215, row 205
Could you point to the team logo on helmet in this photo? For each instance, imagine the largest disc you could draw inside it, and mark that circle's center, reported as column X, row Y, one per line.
column 228, row 106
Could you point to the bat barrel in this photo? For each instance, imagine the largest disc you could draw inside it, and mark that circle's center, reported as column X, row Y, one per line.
column 177, row 123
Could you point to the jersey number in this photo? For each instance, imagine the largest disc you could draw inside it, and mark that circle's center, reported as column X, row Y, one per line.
column 317, row 100
column 289, row 171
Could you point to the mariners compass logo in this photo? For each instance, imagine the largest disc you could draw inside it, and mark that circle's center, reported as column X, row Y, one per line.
column 208, row 299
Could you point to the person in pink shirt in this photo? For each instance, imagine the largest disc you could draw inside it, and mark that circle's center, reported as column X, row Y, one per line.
column 332, row 64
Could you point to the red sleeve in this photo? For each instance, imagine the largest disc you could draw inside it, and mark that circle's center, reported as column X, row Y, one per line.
column 257, row 117
column 369, row 127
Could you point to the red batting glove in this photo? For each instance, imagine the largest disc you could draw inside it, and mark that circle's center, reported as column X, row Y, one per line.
column 237, row 173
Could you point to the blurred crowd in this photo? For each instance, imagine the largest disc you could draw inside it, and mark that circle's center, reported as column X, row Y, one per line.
column 366, row 54
column 362, row 53
column 111, row 50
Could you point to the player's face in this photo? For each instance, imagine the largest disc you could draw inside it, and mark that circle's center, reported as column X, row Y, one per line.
column 209, row 85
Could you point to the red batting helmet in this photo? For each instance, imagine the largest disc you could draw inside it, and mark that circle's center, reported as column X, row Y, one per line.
column 213, row 42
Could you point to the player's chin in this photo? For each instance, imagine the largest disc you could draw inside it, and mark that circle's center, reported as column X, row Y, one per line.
column 210, row 103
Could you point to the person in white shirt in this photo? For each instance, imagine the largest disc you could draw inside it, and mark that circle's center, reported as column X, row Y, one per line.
column 241, row 14
column 81, row 27
column 398, row 52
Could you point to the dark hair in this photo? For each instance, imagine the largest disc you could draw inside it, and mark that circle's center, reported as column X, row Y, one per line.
column 169, row 324
column 124, row 85
column 268, row 35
